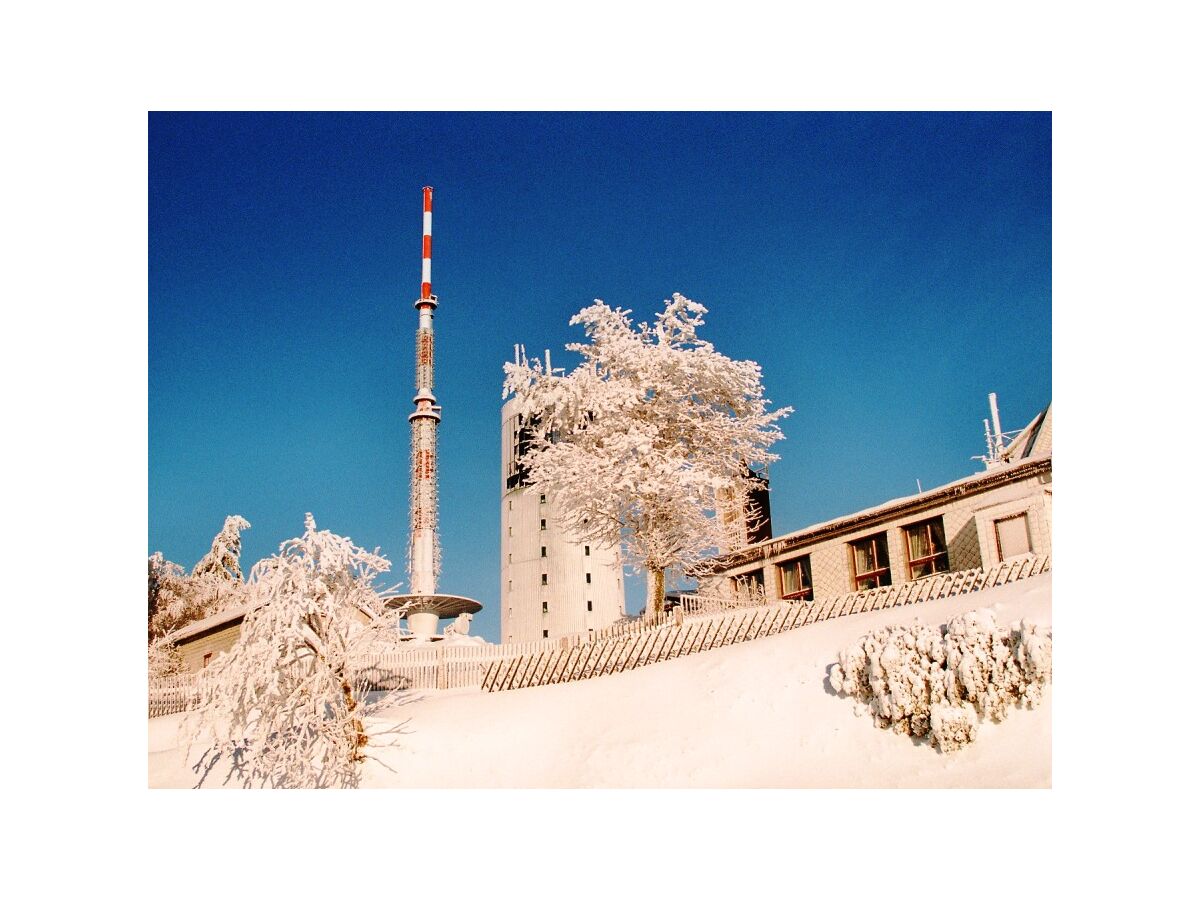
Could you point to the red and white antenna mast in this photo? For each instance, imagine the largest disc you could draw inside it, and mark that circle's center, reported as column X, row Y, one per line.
column 424, row 551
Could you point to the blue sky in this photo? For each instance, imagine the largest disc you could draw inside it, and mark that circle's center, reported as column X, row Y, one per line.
column 886, row 270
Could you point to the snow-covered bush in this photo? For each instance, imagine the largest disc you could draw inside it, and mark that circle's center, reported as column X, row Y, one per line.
column 163, row 658
column 923, row 680
column 286, row 700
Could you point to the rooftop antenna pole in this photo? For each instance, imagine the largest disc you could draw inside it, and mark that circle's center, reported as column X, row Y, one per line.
column 999, row 441
column 424, row 552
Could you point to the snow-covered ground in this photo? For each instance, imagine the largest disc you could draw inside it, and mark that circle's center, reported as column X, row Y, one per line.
column 758, row 714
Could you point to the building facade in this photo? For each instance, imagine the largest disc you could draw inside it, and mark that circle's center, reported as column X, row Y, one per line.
column 551, row 583
column 1002, row 513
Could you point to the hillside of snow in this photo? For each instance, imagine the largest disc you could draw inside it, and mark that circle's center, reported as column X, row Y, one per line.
column 758, row 714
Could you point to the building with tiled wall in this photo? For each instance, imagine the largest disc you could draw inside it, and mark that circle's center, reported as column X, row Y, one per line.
column 998, row 514
column 199, row 642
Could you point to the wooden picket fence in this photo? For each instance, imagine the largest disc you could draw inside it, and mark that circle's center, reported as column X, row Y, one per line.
column 627, row 645
column 176, row 693
column 673, row 639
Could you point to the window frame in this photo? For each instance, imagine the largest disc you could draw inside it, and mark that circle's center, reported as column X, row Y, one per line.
column 804, row 566
column 1000, row 557
column 880, row 572
column 943, row 554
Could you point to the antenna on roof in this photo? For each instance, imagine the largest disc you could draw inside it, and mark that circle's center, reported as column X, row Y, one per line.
column 549, row 369
column 997, row 433
column 993, row 437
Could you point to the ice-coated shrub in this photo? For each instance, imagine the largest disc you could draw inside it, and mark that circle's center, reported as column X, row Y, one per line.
column 953, row 727
column 924, row 680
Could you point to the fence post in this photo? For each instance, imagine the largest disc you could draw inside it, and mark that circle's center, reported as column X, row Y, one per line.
column 512, row 672
column 583, row 667
column 675, row 640
column 556, row 677
column 602, row 660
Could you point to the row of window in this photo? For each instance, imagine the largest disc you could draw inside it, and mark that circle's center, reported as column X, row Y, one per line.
column 587, row 551
column 541, row 499
column 541, row 526
column 587, row 577
column 870, row 567
column 546, row 606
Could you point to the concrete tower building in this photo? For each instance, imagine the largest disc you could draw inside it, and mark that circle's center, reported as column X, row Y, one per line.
column 551, row 584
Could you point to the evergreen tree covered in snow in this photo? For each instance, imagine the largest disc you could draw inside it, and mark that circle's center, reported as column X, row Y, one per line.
column 637, row 443
column 285, row 701
column 223, row 560
column 176, row 599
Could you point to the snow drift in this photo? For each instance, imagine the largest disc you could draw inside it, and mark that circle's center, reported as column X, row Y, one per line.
column 758, row 714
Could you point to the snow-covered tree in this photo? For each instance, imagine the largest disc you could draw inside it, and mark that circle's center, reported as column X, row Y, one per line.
column 942, row 681
column 176, row 599
column 223, row 560
column 640, row 440
column 286, row 700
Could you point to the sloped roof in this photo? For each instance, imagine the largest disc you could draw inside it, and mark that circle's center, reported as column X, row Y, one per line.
column 1035, row 438
column 216, row 620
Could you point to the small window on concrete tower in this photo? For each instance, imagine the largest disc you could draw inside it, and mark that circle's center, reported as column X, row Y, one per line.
column 541, row 498
column 587, row 577
column 543, row 524
column 543, row 551
column 545, row 633
column 544, row 581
